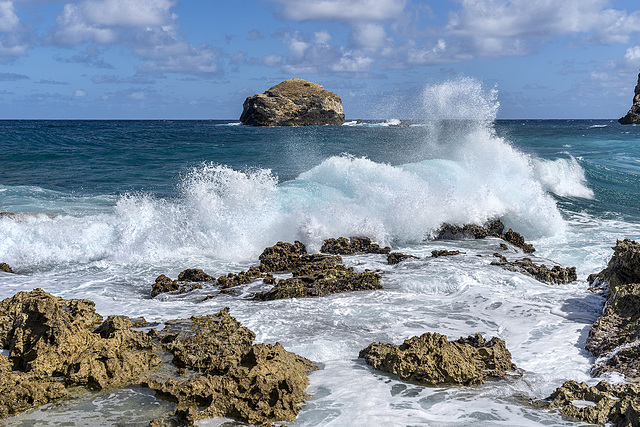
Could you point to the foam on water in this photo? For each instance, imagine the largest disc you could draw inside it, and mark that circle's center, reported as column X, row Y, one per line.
column 465, row 173
column 220, row 220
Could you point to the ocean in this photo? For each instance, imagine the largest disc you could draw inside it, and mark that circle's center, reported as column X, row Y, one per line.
column 117, row 203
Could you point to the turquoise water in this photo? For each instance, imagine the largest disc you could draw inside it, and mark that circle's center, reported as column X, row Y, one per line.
column 135, row 199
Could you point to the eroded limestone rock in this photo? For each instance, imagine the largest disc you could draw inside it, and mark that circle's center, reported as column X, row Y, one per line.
column 256, row 383
column 397, row 257
column 431, row 359
column 555, row 274
column 618, row 404
column 352, row 246
column 5, row 267
column 294, row 102
column 615, row 336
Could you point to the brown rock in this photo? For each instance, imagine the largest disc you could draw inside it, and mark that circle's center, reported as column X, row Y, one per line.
column 618, row 404
column 470, row 231
column 194, row 275
column 355, row 245
column 20, row 391
column 282, row 257
column 614, row 335
column 397, row 257
column 431, row 359
column 164, row 284
column 294, row 102
column 255, row 383
column 321, row 283
column 5, row 267
column 444, row 252
column 556, row 274
column 517, row 240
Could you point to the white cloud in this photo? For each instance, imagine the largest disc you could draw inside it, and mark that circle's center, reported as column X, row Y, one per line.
column 633, row 54
column 272, row 60
column 369, row 35
column 9, row 21
column 80, row 93
column 351, row 64
column 541, row 19
column 341, row 10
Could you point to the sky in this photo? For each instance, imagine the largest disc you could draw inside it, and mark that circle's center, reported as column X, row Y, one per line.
column 199, row 59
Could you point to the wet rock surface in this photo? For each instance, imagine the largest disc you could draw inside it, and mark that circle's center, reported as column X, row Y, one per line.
column 5, row 267
column 397, row 257
column 555, row 274
column 601, row 404
column 352, row 246
column 615, row 336
column 216, row 369
column 492, row 228
column 230, row 376
column 431, row 359
column 444, row 252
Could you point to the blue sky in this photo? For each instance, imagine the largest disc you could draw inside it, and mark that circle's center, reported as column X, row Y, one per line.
column 199, row 59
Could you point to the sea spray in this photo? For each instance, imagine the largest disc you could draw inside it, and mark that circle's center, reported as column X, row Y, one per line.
column 463, row 173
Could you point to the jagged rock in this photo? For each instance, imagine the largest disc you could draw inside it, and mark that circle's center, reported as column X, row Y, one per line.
column 397, row 257
column 355, row 245
column 633, row 115
column 556, row 274
column 321, row 283
column 282, row 257
column 431, row 359
column 492, row 228
column 242, row 278
column 444, row 252
column 517, row 240
column 471, row 231
column 5, row 267
column 49, row 336
column 618, row 404
column 294, row 102
column 164, row 284
column 614, row 335
column 20, row 391
column 194, row 275
column 255, row 383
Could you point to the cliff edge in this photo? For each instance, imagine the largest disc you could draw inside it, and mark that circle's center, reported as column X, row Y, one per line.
column 633, row 116
column 294, row 102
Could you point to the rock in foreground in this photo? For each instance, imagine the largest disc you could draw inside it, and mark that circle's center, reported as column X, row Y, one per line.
column 54, row 343
column 633, row 115
column 294, row 102
column 616, row 333
column 618, row 404
column 431, row 359
column 257, row 383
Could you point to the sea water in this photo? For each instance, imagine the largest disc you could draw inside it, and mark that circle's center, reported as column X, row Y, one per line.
column 114, row 204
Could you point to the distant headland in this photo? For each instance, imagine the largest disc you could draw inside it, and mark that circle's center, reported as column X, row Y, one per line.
column 633, row 116
column 294, row 102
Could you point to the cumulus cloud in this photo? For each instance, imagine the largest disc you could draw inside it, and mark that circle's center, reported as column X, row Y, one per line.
column 340, row 10
column 148, row 27
column 13, row 35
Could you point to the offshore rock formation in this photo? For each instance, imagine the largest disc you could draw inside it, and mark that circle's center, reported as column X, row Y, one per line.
column 431, row 359
column 615, row 336
column 5, row 267
column 55, row 343
column 618, row 404
column 256, row 383
column 633, row 115
column 556, row 274
column 294, row 102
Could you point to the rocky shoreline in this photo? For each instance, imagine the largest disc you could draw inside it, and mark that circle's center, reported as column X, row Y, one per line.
column 215, row 369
